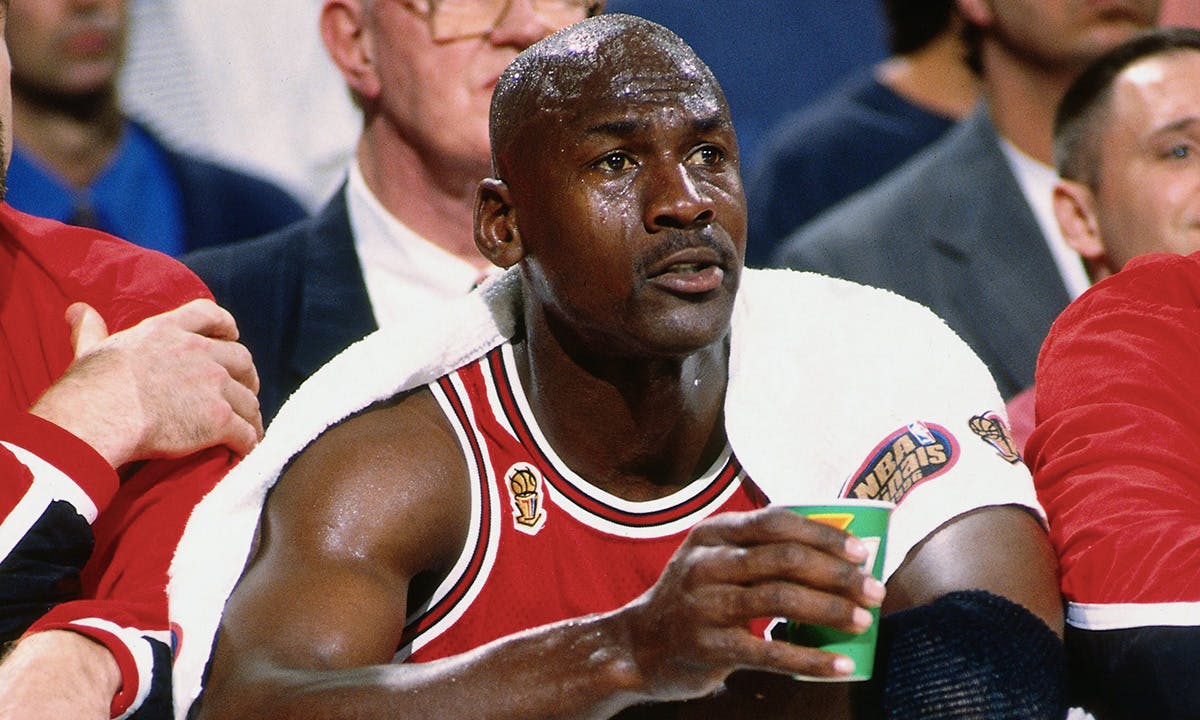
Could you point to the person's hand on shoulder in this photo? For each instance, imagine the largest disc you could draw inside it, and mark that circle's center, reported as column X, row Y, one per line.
column 173, row 384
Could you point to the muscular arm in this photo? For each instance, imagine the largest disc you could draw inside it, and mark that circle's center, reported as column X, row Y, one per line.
column 1003, row 550
column 379, row 502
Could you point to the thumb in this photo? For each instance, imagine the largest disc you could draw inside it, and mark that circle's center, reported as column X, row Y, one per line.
column 88, row 329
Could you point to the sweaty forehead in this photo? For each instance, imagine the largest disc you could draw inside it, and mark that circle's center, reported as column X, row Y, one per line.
column 596, row 67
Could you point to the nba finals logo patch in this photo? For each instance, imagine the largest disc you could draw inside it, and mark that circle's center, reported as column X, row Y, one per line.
column 992, row 429
column 906, row 458
column 525, row 492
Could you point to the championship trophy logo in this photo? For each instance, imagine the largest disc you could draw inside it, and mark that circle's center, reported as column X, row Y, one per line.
column 525, row 489
column 992, row 429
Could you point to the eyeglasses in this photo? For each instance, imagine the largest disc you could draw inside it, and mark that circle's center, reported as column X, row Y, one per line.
column 457, row 19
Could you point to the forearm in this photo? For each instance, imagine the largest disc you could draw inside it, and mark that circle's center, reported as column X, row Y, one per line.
column 575, row 669
column 35, row 676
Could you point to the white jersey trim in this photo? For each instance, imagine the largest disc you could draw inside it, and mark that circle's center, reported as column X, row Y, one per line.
column 1118, row 616
column 463, row 562
column 583, row 515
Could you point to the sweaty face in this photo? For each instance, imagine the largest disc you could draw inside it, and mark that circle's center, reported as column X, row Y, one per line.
column 64, row 47
column 629, row 205
column 1148, row 181
column 1067, row 34
column 437, row 93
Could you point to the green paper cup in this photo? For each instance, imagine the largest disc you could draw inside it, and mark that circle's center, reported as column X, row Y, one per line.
column 867, row 520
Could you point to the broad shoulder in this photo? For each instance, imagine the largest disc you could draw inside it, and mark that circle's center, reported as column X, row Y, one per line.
column 397, row 463
column 1141, row 325
column 806, row 300
column 124, row 282
column 1152, row 281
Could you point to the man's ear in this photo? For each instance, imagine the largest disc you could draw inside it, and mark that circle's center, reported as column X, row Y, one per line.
column 1075, row 210
column 350, row 45
column 496, row 232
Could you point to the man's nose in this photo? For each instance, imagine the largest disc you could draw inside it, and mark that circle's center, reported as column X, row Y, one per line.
column 676, row 201
column 520, row 26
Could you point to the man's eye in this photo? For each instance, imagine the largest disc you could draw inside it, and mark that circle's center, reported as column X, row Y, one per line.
column 615, row 162
column 1180, row 152
column 706, row 155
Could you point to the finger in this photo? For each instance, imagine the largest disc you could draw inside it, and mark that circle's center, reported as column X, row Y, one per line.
column 732, row 606
column 236, row 360
column 205, row 317
column 747, row 651
column 245, row 404
column 785, row 657
column 777, row 524
column 245, row 429
column 88, row 328
column 794, row 562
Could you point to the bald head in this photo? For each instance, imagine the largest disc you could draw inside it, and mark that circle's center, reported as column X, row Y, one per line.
column 606, row 57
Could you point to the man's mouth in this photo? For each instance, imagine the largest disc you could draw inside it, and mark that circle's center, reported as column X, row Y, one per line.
column 689, row 271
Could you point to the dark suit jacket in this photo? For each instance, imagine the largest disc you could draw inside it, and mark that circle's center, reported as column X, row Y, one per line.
column 298, row 296
column 222, row 205
column 950, row 229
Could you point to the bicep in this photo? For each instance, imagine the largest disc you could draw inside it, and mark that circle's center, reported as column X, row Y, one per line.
column 345, row 530
column 1001, row 549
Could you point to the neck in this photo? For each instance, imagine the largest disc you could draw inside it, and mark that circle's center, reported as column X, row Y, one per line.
column 935, row 77
column 74, row 137
column 436, row 199
column 663, row 416
column 1022, row 98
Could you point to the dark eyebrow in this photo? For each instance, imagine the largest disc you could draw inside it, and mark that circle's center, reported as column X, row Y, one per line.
column 628, row 126
column 711, row 122
column 1181, row 124
column 619, row 128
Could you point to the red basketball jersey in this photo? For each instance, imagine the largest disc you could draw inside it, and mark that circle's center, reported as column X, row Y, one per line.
column 544, row 544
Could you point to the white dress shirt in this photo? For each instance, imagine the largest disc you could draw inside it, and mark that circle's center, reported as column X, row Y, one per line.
column 404, row 272
column 1037, row 183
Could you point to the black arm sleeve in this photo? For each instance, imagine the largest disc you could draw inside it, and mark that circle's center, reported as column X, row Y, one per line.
column 970, row 654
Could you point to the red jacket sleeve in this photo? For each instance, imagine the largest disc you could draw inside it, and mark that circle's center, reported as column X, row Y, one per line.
column 1116, row 450
column 126, row 578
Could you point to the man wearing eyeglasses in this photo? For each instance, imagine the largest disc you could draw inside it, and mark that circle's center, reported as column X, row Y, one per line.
column 396, row 239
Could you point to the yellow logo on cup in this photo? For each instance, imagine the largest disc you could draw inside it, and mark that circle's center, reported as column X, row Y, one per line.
column 841, row 521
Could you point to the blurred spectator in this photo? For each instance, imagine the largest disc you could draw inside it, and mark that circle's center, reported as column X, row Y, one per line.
column 122, row 383
column 396, row 239
column 967, row 227
column 871, row 124
column 1124, row 157
column 198, row 71
column 78, row 159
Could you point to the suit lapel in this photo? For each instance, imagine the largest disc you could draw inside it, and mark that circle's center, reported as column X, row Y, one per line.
column 335, row 310
column 1003, row 278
